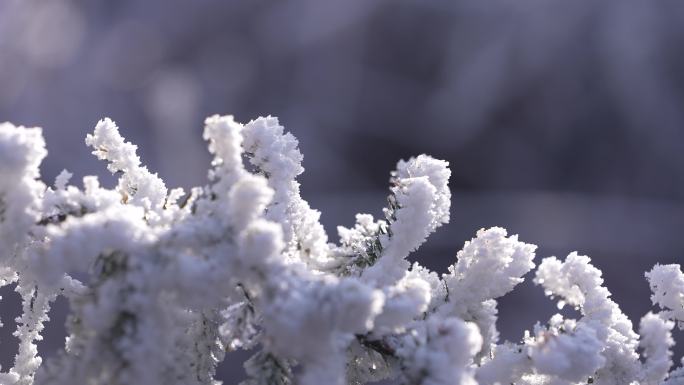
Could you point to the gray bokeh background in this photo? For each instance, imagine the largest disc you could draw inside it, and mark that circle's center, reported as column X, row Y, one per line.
column 562, row 121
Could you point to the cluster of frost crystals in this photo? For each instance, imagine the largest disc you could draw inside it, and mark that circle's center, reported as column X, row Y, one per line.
column 667, row 285
column 162, row 283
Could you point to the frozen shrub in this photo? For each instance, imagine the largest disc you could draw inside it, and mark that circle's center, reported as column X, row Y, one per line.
column 170, row 281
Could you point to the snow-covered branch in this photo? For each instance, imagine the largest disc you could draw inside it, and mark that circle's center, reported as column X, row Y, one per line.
column 162, row 283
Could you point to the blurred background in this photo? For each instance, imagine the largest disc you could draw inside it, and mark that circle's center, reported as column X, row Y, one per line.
column 562, row 121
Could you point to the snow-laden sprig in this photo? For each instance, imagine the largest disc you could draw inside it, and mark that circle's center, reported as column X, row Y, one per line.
column 275, row 155
column 136, row 184
column 491, row 257
column 667, row 285
column 21, row 152
column 656, row 342
column 419, row 193
column 419, row 203
column 603, row 336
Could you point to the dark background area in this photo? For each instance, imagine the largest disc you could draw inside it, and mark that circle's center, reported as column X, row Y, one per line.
column 562, row 121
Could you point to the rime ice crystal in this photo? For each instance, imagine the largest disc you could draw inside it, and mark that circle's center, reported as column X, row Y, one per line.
column 176, row 280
